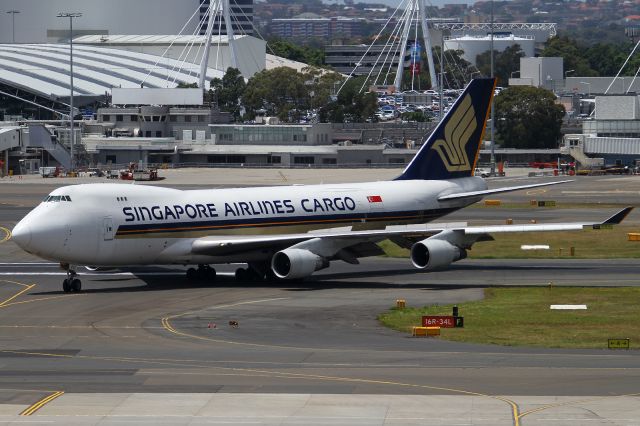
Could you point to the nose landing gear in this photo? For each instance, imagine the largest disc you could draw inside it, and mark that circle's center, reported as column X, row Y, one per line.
column 71, row 283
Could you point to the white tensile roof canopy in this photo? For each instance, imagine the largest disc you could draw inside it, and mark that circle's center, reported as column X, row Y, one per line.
column 44, row 70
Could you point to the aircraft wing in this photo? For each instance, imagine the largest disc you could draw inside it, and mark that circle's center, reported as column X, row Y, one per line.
column 470, row 194
column 228, row 245
column 361, row 243
column 541, row 227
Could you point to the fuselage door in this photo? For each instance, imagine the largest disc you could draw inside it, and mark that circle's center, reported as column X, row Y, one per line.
column 108, row 230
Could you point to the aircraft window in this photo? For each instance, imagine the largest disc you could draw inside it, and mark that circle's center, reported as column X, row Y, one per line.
column 67, row 198
column 46, row 199
column 55, row 198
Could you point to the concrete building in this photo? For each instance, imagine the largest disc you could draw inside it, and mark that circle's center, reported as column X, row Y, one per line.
column 476, row 45
column 545, row 72
column 309, row 25
column 157, row 122
column 344, row 58
column 592, row 86
column 285, row 134
column 611, row 136
column 241, row 17
column 37, row 21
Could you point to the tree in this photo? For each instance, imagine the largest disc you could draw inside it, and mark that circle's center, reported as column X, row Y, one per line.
column 568, row 49
column 288, row 50
column 528, row 117
column 606, row 59
column 457, row 70
column 280, row 91
column 351, row 104
column 228, row 91
column 505, row 63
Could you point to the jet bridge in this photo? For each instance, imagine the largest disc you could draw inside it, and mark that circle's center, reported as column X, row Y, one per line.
column 9, row 139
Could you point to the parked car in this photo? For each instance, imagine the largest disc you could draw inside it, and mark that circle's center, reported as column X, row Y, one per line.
column 482, row 172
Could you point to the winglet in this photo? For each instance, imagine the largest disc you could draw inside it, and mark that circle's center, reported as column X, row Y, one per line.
column 618, row 217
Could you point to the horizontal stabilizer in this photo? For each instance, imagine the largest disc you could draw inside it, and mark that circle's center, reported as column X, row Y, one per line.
column 472, row 194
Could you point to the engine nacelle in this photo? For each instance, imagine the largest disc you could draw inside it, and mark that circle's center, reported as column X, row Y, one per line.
column 432, row 254
column 296, row 263
column 100, row 268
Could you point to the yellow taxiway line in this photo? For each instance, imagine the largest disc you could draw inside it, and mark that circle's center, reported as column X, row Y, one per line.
column 26, row 288
column 41, row 403
column 7, row 235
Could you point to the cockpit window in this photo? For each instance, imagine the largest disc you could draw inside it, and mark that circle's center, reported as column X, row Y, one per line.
column 56, row 198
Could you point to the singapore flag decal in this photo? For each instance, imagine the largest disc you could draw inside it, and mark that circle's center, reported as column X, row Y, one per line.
column 374, row 198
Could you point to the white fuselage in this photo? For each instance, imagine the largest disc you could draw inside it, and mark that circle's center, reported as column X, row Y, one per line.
column 116, row 224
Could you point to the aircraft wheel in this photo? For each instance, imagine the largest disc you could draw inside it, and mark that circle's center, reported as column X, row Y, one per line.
column 242, row 274
column 211, row 273
column 66, row 286
column 192, row 274
column 76, row 285
column 206, row 272
column 271, row 277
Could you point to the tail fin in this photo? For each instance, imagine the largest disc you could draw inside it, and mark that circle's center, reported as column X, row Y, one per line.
column 451, row 151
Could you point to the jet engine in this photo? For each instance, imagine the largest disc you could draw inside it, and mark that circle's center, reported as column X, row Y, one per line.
column 296, row 263
column 100, row 268
column 432, row 254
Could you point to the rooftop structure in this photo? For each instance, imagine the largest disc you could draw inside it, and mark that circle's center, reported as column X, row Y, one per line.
column 37, row 22
column 43, row 70
column 250, row 51
column 472, row 46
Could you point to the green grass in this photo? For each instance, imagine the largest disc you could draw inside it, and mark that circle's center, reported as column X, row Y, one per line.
column 521, row 317
column 588, row 244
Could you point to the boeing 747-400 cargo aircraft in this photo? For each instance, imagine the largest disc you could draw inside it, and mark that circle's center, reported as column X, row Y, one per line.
column 280, row 232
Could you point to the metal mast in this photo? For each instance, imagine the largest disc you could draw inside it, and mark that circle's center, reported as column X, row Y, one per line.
column 213, row 13
column 71, row 15
column 403, row 46
column 416, row 9
column 217, row 7
column 226, row 10
column 493, row 113
column 426, row 36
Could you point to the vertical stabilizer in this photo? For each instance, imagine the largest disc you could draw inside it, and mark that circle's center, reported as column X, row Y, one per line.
column 451, row 151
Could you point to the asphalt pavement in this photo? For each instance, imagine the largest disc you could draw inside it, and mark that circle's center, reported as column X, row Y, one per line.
column 146, row 345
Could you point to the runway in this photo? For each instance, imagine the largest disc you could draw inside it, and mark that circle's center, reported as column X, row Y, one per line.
column 145, row 345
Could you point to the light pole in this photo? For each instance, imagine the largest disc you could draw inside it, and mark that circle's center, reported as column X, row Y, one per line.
column 588, row 87
column 493, row 116
column 13, row 24
column 71, row 15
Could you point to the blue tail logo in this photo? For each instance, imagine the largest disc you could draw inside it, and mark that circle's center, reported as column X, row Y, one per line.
column 452, row 149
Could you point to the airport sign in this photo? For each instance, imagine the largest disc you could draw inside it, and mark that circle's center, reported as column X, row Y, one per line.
column 618, row 343
column 442, row 321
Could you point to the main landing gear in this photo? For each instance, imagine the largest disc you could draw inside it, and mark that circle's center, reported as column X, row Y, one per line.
column 204, row 272
column 256, row 273
column 71, row 283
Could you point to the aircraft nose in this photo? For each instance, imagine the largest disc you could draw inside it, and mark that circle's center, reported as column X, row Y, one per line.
column 21, row 234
